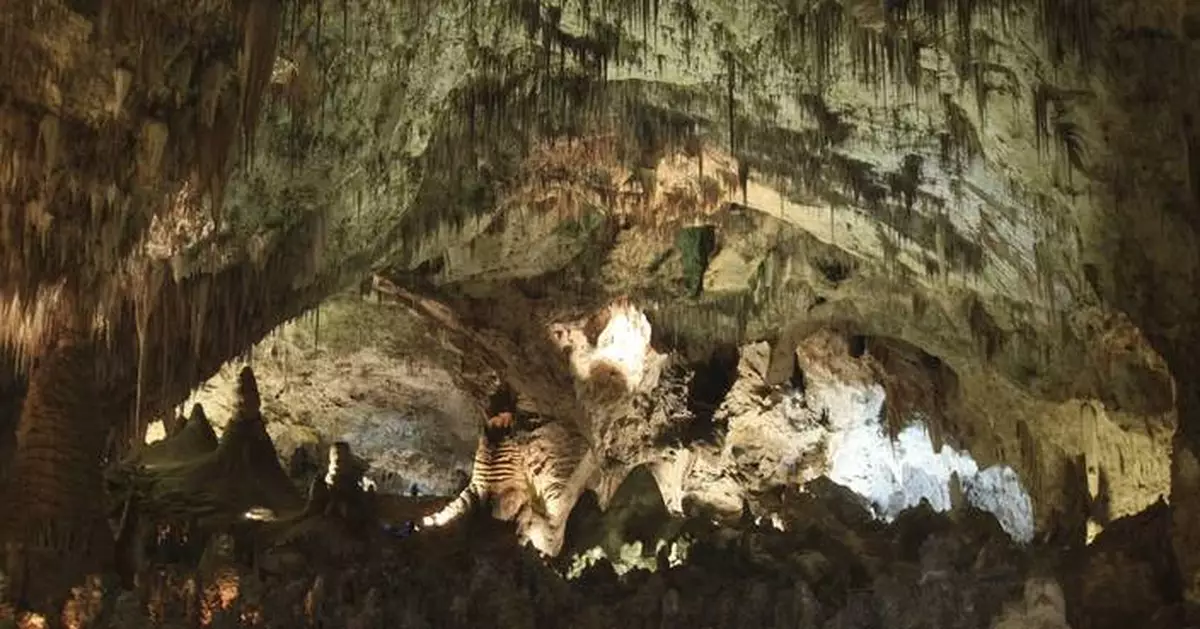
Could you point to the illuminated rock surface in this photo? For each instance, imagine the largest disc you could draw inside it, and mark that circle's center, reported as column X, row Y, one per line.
column 926, row 249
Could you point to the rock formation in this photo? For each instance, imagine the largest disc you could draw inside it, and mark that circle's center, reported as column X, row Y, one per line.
column 937, row 252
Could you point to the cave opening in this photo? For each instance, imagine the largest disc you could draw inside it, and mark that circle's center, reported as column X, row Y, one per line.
column 858, row 345
column 711, row 381
column 634, row 531
column 796, row 379
column 370, row 373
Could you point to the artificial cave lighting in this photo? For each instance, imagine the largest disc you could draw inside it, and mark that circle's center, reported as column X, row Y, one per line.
column 336, row 452
column 451, row 512
column 896, row 475
column 331, row 470
column 772, row 520
column 625, row 341
column 85, row 605
column 621, row 348
column 155, row 432
column 32, row 621
column 219, row 594
column 441, row 518
column 259, row 514
column 631, row 556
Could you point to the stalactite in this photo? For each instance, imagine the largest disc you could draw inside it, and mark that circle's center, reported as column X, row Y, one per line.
column 1053, row 129
column 346, row 22
column 1068, row 27
column 964, row 16
column 825, row 34
column 731, row 84
column 149, row 289
column 832, row 225
column 199, row 315
column 260, row 39
column 891, row 54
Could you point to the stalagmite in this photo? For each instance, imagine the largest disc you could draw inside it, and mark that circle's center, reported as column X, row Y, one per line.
column 515, row 163
column 54, row 524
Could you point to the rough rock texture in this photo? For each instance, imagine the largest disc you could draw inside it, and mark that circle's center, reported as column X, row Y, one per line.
column 714, row 435
column 371, row 375
column 821, row 560
column 1007, row 187
column 877, row 415
column 831, row 568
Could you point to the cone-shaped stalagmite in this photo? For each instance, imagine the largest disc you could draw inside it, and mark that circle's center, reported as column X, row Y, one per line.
column 348, row 499
column 245, row 467
column 200, row 429
column 341, row 516
column 54, row 525
column 196, row 439
column 190, row 476
column 197, row 486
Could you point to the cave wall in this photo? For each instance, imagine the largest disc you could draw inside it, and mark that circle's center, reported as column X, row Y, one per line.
column 1007, row 186
column 1009, row 132
column 120, row 117
column 368, row 373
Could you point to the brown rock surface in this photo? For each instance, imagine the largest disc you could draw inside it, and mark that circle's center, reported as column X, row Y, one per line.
column 979, row 215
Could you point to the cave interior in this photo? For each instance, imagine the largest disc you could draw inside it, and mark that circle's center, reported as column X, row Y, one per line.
column 600, row 313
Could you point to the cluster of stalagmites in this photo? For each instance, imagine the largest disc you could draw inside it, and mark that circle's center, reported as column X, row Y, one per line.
column 183, row 502
column 214, row 534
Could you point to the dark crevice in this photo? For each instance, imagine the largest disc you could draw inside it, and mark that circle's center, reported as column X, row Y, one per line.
column 86, row 8
column 858, row 345
column 431, row 267
column 1091, row 273
column 12, row 395
column 534, row 288
column 931, row 362
column 595, row 325
column 502, row 400
column 797, row 379
column 1100, row 509
column 990, row 338
column 660, row 341
column 710, row 383
column 696, row 246
column 834, row 270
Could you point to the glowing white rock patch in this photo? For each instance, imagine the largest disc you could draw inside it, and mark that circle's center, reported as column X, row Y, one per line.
column 623, row 347
column 625, row 342
column 630, row 557
column 894, row 476
column 155, row 432
column 259, row 514
column 364, row 483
